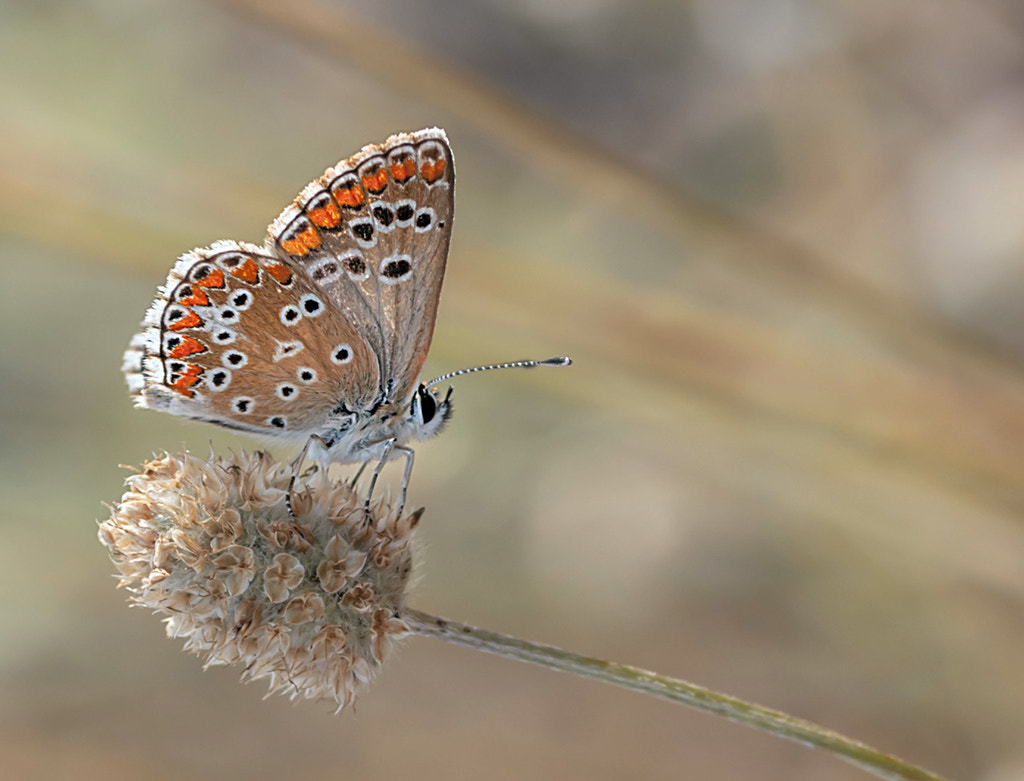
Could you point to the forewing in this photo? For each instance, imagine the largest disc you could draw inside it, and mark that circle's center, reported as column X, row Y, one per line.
column 243, row 338
column 372, row 233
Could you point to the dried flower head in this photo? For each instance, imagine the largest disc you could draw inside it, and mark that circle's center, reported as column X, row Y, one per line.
column 311, row 602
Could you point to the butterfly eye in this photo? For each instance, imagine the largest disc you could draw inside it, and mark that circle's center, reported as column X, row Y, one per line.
column 428, row 407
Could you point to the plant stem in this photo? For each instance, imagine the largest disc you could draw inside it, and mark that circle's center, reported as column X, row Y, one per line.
column 772, row 721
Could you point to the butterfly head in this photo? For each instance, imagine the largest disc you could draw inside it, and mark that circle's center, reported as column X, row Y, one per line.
column 429, row 412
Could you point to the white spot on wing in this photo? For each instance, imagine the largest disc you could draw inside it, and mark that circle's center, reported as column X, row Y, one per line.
column 240, row 299
column 383, row 216
column 326, row 271
column 287, row 349
column 286, row 391
column 405, row 206
column 395, row 269
column 224, row 336
column 311, row 305
column 355, row 266
column 234, row 359
column 425, row 219
column 218, row 380
column 362, row 227
column 341, row 354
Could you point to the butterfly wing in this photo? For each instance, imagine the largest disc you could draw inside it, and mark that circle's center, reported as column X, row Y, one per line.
column 230, row 339
column 372, row 233
column 242, row 338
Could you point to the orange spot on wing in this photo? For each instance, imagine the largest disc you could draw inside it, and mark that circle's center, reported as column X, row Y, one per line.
column 198, row 298
column 326, row 216
column 376, row 181
column 310, row 237
column 214, row 279
column 187, row 347
column 302, row 242
column 294, row 246
column 432, row 171
column 403, row 170
column 280, row 272
column 190, row 320
column 187, row 379
column 350, row 197
column 247, row 271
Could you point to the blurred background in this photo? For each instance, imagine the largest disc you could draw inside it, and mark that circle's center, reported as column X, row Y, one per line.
column 782, row 240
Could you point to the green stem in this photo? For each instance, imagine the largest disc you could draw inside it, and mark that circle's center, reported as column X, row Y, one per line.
column 772, row 721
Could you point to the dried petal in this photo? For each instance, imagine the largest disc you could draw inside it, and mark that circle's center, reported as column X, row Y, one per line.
column 235, row 568
column 341, row 562
column 304, row 609
column 284, row 574
column 359, row 598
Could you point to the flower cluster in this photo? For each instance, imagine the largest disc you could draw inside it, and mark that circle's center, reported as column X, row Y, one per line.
column 309, row 598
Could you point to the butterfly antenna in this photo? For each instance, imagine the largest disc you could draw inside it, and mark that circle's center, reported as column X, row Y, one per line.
column 559, row 361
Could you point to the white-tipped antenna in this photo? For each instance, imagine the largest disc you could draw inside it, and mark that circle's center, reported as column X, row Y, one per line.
column 559, row 361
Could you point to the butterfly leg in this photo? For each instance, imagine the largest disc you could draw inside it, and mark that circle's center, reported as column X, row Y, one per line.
column 296, row 466
column 358, row 474
column 389, row 445
column 406, row 475
column 390, row 449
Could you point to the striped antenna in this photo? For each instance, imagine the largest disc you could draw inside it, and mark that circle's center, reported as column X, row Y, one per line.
column 559, row 361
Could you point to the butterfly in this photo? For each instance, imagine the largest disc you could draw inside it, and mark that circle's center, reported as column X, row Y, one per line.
column 319, row 336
